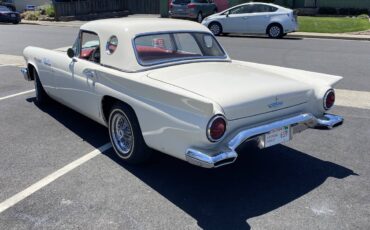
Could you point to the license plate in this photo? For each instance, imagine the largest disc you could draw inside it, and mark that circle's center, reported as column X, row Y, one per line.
column 277, row 136
column 12, row 15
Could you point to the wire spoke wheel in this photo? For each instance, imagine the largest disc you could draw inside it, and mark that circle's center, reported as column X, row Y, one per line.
column 122, row 134
column 126, row 136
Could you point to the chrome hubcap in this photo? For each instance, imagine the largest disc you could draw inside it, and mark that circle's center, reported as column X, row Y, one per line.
column 274, row 31
column 122, row 133
column 215, row 29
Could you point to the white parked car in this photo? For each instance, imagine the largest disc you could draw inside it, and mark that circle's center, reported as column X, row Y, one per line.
column 156, row 86
column 253, row 18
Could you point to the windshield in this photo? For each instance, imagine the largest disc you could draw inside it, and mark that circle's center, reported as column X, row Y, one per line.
column 4, row 8
column 167, row 47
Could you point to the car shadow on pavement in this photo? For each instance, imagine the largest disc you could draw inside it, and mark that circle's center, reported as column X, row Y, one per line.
column 259, row 182
column 89, row 131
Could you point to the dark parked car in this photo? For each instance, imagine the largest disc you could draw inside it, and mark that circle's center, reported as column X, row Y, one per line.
column 7, row 15
column 193, row 9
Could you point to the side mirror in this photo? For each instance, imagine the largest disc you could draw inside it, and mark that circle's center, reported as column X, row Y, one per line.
column 70, row 53
column 227, row 14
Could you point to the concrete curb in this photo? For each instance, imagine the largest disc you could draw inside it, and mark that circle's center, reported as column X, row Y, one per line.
column 48, row 23
column 330, row 36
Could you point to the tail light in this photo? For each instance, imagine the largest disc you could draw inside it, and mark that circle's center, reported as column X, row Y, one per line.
column 191, row 5
column 329, row 99
column 216, row 128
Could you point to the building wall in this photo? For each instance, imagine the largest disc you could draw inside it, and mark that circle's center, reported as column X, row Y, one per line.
column 20, row 5
column 83, row 8
column 345, row 3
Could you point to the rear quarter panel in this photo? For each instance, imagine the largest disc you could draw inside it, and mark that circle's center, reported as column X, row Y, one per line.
column 171, row 119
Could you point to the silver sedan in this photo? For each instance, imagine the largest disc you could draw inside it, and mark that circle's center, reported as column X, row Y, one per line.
column 253, row 18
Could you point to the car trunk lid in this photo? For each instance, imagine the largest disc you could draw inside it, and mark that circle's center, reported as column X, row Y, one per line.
column 241, row 91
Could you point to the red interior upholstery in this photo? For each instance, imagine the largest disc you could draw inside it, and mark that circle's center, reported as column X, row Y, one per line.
column 148, row 53
column 86, row 53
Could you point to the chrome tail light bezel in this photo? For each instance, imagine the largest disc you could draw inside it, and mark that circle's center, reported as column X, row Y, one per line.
column 326, row 98
column 209, row 125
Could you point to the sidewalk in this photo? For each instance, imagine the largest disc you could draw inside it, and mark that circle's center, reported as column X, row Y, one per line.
column 360, row 36
column 54, row 23
column 80, row 23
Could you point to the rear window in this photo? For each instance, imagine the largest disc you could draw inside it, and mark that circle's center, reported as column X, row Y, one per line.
column 168, row 47
column 182, row 2
column 259, row 8
column 4, row 8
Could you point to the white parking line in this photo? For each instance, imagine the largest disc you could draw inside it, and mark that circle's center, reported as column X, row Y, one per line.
column 50, row 178
column 17, row 94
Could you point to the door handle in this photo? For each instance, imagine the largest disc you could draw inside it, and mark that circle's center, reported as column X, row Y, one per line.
column 89, row 73
column 245, row 18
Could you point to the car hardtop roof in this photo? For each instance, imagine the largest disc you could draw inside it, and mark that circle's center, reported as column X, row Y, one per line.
column 266, row 3
column 136, row 26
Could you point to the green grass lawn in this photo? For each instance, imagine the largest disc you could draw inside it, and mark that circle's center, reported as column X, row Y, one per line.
column 332, row 24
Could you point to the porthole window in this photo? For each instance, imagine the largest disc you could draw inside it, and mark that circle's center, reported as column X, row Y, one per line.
column 112, row 45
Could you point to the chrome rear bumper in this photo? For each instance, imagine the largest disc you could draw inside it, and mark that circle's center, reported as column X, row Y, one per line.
column 217, row 158
column 26, row 75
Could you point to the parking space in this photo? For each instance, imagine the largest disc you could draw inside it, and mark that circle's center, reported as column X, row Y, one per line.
column 292, row 182
column 37, row 141
column 12, row 82
column 319, row 180
column 338, row 57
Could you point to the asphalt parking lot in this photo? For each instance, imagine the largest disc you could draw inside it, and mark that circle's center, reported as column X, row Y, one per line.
column 320, row 180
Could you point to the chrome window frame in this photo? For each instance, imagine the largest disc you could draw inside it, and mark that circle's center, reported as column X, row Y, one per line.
column 175, row 60
column 108, row 43
column 80, row 44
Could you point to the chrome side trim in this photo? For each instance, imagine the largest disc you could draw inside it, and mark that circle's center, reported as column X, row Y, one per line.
column 26, row 76
column 329, row 121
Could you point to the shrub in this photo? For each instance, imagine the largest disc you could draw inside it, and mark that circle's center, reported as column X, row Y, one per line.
column 327, row 10
column 363, row 16
column 31, row 15
column 49, row 11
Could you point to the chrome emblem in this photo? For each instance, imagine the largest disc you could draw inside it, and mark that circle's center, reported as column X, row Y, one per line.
column 276, row 104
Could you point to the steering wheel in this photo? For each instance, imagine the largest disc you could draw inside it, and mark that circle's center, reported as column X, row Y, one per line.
column 95, row 56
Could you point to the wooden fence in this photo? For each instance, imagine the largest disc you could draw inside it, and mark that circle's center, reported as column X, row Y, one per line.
column 84, row 7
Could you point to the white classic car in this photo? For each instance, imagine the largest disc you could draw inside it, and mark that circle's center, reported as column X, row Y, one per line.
column 254, row 18
column 168, row 85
